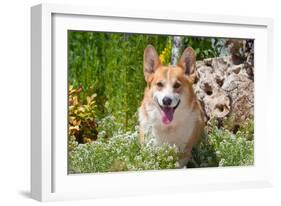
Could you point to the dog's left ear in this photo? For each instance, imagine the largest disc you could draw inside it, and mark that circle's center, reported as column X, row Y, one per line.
column 188, row 61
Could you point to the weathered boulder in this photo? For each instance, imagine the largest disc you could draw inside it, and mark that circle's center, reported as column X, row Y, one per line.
column 225, row 89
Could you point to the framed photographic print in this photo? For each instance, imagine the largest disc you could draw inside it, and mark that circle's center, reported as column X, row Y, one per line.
column 135, row 102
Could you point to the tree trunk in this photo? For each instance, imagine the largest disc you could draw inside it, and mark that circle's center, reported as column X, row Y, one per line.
column 176, row 49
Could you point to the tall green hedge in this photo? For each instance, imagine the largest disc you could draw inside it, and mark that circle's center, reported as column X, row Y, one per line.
column 111, row 65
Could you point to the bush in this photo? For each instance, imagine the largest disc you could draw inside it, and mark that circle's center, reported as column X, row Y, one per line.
column 223, row 148
column 111, row 66
column 81, row 116
column 121, row 152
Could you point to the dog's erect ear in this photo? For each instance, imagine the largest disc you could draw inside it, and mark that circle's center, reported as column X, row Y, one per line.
column 150, row 61
column 187, row 61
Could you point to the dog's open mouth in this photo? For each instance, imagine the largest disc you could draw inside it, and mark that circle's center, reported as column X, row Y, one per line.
column 168, row 113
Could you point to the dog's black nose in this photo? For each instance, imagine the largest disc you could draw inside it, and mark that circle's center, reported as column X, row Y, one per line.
column 167, row 101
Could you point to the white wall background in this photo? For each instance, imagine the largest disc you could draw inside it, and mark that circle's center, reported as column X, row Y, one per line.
column 15, row 100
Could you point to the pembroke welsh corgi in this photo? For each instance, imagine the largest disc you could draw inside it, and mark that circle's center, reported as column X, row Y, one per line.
column 170, row 109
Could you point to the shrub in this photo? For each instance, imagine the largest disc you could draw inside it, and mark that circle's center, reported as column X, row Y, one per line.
column 121, row 152
column 81, row 116
column 111, row 65
column 223, row 148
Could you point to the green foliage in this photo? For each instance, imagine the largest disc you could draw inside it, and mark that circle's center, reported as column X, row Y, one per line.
column 204, row 47
column 111, row 66
column 118, row 150
column 121, row 152
column 223, row 148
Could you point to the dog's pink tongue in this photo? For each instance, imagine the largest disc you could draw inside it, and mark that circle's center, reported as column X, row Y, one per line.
column 167, row 115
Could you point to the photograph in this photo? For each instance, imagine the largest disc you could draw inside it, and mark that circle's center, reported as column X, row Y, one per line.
column 155, row 102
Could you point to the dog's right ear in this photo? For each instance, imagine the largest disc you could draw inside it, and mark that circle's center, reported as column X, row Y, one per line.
column 151, row 62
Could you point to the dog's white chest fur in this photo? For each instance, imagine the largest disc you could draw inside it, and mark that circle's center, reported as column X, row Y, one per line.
column 178, row 132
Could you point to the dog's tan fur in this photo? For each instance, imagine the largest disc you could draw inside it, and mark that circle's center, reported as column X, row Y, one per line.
column 187, row 124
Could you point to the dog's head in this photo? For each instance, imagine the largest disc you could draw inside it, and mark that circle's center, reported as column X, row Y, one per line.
column 170, row 86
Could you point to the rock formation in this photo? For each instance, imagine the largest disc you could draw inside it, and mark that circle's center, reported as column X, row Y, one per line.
column 225, row 88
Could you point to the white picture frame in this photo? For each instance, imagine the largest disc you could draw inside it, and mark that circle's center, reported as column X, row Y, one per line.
column 49, row 178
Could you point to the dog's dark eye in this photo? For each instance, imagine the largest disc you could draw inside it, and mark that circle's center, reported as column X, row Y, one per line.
column 177, row 85
column 160, row 84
